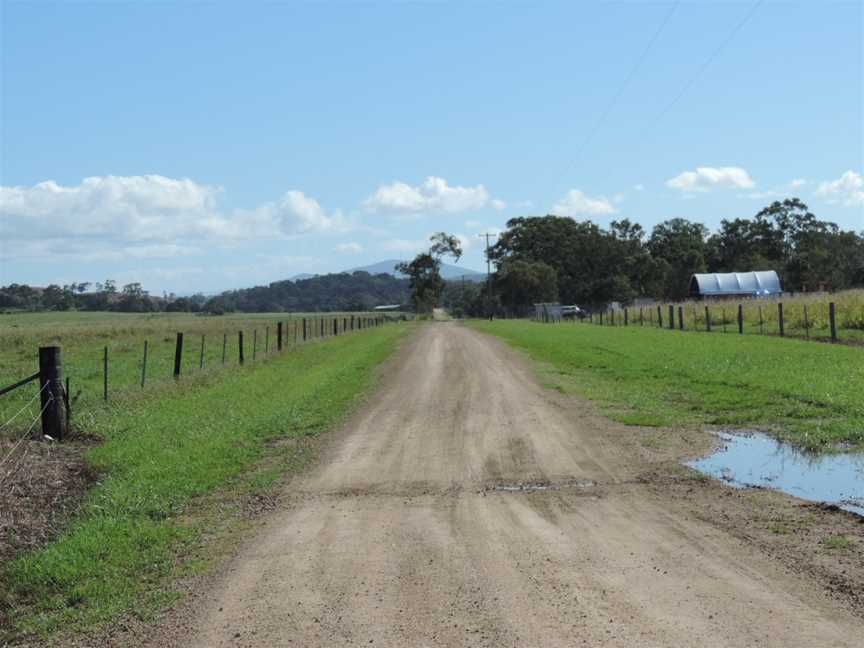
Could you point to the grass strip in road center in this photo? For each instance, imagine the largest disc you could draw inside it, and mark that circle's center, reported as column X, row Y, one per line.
column 161, row 452
column 809, row 394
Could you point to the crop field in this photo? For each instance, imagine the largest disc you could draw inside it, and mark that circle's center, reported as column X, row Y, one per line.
column 160, row 450
column 805, row 316
column 84, row 336
column 809, row 394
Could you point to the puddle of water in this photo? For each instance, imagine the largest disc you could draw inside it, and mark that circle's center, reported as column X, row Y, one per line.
column 758, row 460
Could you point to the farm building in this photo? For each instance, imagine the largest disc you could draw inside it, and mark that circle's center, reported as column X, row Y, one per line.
column 735, row 284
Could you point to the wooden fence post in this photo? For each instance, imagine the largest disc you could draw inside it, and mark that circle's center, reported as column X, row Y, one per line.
column 659, row 316
column 240, row 345
column 626, row 317
column 740, row 319
column 780, row 319
column 304, row 329
column 201, row 359
column 707, row 320
column 279, row 336
column 144, row 366
column 681, row 318
column 671, row 317
column 832, row 318
column 51, row 392
column 178, row 354
column 612, row 316
column 641, row 317
column 761, row 321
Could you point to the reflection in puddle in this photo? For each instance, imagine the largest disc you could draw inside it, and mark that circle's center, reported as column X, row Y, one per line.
column 758, row 460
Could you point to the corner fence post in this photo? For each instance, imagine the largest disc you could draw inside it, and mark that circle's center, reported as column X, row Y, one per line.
column 832, row 316
column 178, row 355
column 51, row 392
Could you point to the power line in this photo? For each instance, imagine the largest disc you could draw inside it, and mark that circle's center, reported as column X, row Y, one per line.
column 612, row 103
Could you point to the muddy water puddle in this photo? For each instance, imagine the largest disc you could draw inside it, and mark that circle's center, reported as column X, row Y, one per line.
column 755, row 459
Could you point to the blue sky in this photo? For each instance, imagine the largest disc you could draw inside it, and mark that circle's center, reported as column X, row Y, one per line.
column 202, row 146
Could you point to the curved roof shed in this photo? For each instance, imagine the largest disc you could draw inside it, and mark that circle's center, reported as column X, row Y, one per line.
column 730, row 284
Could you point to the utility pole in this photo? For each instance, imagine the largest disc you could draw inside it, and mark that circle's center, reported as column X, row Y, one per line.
column 487, row 235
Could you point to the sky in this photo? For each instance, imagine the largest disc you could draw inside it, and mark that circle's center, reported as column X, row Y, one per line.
column 208, row 146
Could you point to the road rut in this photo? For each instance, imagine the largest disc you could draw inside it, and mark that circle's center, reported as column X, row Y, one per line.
column 465, row 506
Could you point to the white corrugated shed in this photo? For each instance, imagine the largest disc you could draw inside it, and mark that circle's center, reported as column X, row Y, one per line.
column 752, row 284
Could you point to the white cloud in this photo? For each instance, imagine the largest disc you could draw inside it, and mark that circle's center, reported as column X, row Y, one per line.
column 848, row 189
column 707, row 178
column 144, row 217
column 434, row 195
column 351, row 248
column 576, row 203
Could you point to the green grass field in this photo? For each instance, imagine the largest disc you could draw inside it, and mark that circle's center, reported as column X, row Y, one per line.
column 163, row 451
column 84, row 335
column 810, row 394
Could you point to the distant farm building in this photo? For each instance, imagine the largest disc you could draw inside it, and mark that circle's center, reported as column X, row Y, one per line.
column 736, row 284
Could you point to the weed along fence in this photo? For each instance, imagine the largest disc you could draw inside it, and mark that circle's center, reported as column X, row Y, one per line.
column 45, row 399
column 840, row 320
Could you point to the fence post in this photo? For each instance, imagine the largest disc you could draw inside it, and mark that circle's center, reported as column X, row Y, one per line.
column 105, row 374
column 279, row 336
column 67, row 401
column 806, row 323
column 659, row 316
column 740, row 319
column 335, row 326
column 612, row 316
column 304, row 329
column 178, row 355
column 707, row 320
column 681, row 318
column 641, row 317
column 723, row 313
column 144, row 366
column 832, row 317
column 201, row 359
column 51, row 391
column 761, row 321
column 240, row 345
column 780, row 318
column 671, row 317
column 224, row 346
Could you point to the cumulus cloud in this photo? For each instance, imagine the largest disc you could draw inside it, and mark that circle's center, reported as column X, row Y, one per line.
column 576, row 203
column 848, row 189
column 434, row 195
column 145, row 217
column 350, row 248
column 707, row 178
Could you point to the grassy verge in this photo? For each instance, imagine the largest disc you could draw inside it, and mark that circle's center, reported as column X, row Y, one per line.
column 809, row 394
column 160, row 454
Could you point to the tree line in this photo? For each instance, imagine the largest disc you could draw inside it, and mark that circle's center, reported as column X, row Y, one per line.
column 358, row 291
column 553, row 258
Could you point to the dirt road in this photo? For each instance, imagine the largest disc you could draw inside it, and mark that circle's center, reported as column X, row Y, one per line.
column 413, row 532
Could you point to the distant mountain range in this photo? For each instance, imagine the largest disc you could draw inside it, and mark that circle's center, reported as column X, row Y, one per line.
column 448, row 271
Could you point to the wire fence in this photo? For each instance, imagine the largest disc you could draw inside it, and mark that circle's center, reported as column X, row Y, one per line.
column 123, row 368
column 838, row 321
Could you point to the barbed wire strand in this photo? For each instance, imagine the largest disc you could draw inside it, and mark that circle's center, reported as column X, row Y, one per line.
column 23, row 438
column 30, row 402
